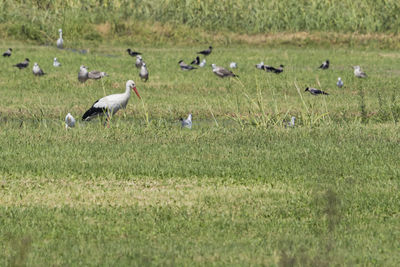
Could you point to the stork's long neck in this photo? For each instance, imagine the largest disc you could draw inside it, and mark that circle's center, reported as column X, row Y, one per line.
column 60, row 34
column 127, row 92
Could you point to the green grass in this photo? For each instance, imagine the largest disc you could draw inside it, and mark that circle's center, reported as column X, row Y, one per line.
column 237, row 189
column 190, row 21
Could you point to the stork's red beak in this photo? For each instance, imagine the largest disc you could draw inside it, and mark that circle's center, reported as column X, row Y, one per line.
column 137, row 93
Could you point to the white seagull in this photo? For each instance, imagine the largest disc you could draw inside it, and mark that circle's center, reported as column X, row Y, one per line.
column 188, row 122
column 291, row 123
column 69, row 121
column 202, row 63
column 83, row 74
column 56, row 63
column 222, row 72
column 339, row 82
column 358, row 72
column 37, row 71
column 139, row 61
column 144, row 73
column 60, row 40
column 109, row 105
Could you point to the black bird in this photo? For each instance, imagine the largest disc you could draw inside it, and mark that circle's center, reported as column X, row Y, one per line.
column 272, row 69
column 325, row 65
column 278, row 70
column 196, row 61
column 206, row 52
column 267, row 68
column 314, row 91
column 133, row 53
column 23, row 64
column 7, row 53
column 185, row 66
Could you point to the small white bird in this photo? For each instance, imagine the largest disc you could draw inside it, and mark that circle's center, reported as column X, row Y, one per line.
column 291, row 123
column 56, row 63
column 202, row 63
column 69, row 121
column 233, row 65
column 260, row 65
column 188, row 122
column 358, row 72
column 37, row 71
column 339, row 82
column 144, row 73
column 139, row 61
column 60, row 40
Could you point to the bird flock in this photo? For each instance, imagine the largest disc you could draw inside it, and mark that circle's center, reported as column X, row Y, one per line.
column 109, row 105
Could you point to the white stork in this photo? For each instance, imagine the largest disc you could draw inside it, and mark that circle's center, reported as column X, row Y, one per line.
column 109, row 105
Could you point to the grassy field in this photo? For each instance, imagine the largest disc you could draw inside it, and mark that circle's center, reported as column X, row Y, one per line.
column 193, row 22
column 237, row 189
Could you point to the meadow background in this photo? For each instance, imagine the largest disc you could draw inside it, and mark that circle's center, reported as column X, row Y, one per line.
column 240, row 188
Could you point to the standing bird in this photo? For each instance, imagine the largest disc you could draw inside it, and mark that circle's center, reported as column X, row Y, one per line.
column 324, row 65
column 188, row 122
column 133, row 53
column 185, row 66
column 314, row 91
column 233, row 65
column 339, row 83
column 206, row 52
column 7, row 53
column 202, row 63
column 56, row 63
column 69, row 121
column 37, row 71
column 196, row 61
column 144, row 73
column 222, row 72
column 109, row 105
column 83, row 74
column 60, row 41
column 23, row 64
column 358, row 72
column 139, row 61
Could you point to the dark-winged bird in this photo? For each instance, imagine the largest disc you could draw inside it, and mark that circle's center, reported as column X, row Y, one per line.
column 133, row 53
column 23, row 64
column 196, row 61
column 185, row 66
column 206, row 52
column 314, row 91
column 7, row 53
column 324, row 65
